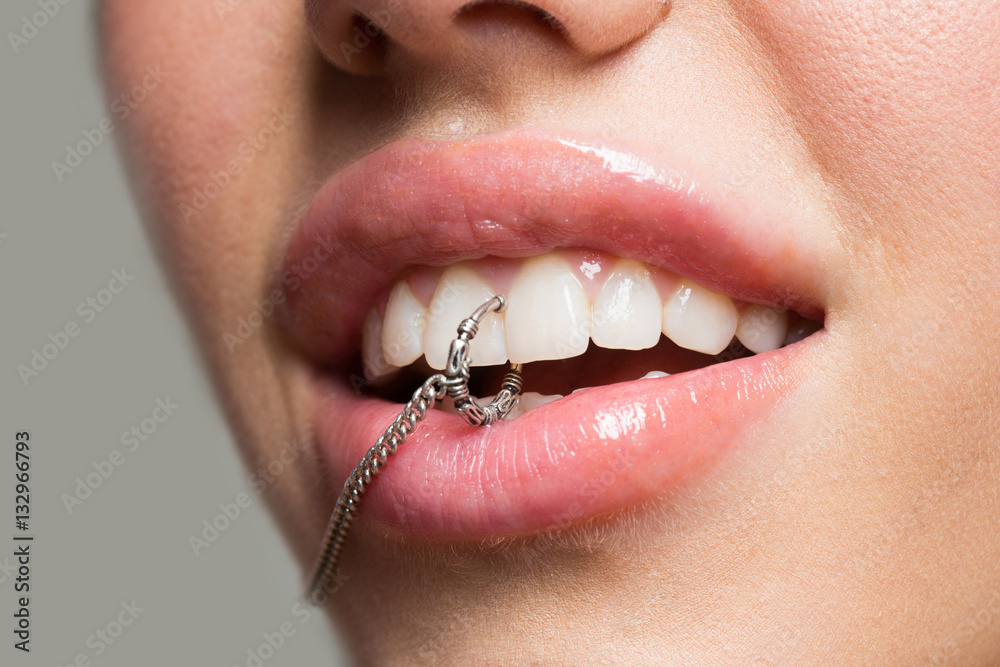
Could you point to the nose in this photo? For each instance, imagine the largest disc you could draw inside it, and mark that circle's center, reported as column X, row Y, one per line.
column 355, row 34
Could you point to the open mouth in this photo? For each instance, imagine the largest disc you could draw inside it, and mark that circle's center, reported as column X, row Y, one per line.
column 577, row 319
column 658, row 321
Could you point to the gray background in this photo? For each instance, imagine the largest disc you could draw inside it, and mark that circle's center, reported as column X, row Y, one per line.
column 59, row 243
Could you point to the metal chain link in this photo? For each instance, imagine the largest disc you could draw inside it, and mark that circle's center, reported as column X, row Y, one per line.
column 455, row 383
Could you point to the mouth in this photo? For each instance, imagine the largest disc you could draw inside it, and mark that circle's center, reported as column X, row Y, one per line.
column 657, row 321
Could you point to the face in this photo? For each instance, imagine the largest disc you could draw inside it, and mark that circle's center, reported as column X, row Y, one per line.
column 790, row 209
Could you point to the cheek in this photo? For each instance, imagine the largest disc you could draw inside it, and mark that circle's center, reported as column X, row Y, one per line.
column 209, row 149
column 212, row 154
column 898, row 104
column 893, row 95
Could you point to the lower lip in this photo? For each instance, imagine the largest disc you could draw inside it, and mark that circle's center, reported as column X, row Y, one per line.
column 590, row 454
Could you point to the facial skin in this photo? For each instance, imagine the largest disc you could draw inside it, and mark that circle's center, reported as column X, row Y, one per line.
column 861, row 530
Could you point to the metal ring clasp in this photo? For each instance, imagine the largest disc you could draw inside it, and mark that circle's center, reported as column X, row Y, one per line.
column 457, row 372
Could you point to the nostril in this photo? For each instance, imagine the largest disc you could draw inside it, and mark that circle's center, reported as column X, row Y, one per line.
column 508, row 10
column 365, row 45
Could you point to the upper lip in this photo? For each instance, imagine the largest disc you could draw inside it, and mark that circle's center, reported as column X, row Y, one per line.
column 519, row 194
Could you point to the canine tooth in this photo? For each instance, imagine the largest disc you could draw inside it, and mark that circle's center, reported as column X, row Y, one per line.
column 652, row 375
column 549, row 313
column 532, row 400
column 699, row 319
column 371, row 348
column 460, row 292
column 403, row 327
column 762, row 329
column 803, row 329
column 627, row 314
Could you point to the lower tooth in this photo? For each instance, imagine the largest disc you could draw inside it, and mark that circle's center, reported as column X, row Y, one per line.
column 515, row 411
column 652, row 375
column 532, row 400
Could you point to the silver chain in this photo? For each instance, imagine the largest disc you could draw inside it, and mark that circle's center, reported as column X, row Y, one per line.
column 455, row 383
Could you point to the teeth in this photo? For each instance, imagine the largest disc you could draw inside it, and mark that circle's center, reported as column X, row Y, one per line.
column 548, row 316
column 375, row 363
column 460, row 292
column 627, row 309
column 405, row 323
column 555, row 311
column 515, row 411
column 698, row 319
column 532, row 400
column 652, row 375
column 762, row 329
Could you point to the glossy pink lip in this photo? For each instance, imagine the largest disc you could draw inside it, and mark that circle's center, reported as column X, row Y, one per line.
column 418, row 203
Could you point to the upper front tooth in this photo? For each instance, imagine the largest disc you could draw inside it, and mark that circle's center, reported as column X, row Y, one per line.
column 550, row 316
column 762, row 329
column 404, row 326
column 549, row 313
column 698, row 319
column 627, row 310
column 459, row 293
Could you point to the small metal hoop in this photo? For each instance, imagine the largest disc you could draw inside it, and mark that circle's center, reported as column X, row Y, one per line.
column 457, row 372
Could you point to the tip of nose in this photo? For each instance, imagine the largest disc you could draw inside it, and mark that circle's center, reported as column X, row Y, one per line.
column 360, row 39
